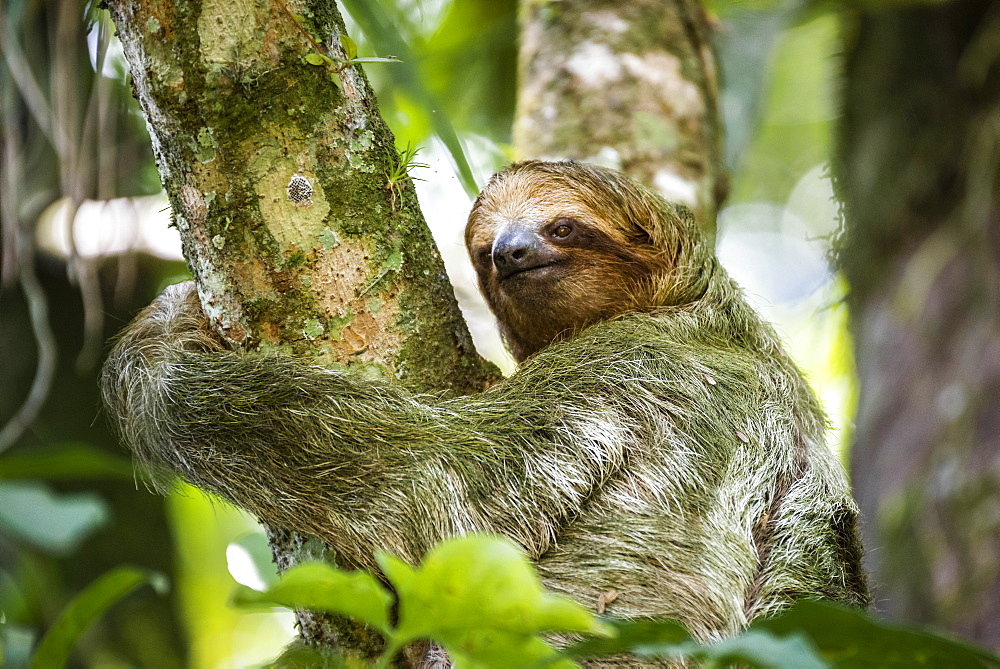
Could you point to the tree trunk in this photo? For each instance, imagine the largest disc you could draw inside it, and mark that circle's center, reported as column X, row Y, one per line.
column 629, row 85
column 278, row 173
column 919, row 167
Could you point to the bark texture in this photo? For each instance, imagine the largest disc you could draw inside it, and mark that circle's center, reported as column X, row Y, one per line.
column 277, row 172
column 919, row 167
column 629, row 85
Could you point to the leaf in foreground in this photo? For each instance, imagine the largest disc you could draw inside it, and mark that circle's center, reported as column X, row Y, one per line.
column 480, row 598
column 319, row 587
column 55, row 522
column 87, row 606
column 664, row 638
column 850, row 638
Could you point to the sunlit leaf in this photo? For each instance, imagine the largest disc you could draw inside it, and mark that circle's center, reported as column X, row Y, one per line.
column 320, row 587
column 350, row 48
column 479, row 596
column 54, row 649
column 315, row 59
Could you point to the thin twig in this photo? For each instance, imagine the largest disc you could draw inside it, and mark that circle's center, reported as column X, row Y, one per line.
column 27, row 85
column 38, row 311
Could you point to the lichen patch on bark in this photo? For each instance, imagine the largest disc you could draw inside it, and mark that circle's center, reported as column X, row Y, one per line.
column 369, row 334
column 664, row 72
column 273, row 168
column 629, row 85
column 607, row 20
column 228, row 28
column 594, row 65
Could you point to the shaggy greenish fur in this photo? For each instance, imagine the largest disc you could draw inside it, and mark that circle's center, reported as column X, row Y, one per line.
column 676, row 457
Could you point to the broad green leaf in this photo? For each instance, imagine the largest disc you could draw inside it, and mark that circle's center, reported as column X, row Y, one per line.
column 648, row 637
column 321, row 587
column 350, row 48
column 314, row 58
column 399, row 573
column 761, row 649
column 850, row 638
column 485, row 649
column 95, row 599
column 298, row 655
column 480, row 597
column 16, row 643
column 52, row 521
column 64, row 461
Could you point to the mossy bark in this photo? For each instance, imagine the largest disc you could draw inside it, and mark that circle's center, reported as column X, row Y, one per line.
column 277, row 173
column 919, row 169
column 630, row 85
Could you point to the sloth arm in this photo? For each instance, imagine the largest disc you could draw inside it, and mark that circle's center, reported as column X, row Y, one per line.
column 362, row 464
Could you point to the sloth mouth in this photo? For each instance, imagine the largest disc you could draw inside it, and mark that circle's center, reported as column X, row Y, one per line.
column 531, row 273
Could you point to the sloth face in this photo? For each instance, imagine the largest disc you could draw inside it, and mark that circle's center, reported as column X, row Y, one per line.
column 550, row 257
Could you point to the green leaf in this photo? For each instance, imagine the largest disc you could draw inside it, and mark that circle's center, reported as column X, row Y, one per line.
column 480, row 598
column 400, row 574
column 51, row 521
column 314, row 58
column 95, row 599
column 16, row 643
column 810, row 634
column 646, row 637
column 850, row 638
column 372, row 59
column 762, row 649
column 350, row 48
column 64, row 461
column 320, row 587
column 488, row 648
column 298, row 655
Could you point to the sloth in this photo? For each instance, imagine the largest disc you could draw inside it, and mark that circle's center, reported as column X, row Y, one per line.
column 656, row 453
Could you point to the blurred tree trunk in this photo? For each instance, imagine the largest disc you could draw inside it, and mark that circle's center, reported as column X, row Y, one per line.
column 278, row 173
column 919, row 168
column 630, row 85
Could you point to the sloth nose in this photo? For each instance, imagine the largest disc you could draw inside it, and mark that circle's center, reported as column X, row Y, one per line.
column 514, row 251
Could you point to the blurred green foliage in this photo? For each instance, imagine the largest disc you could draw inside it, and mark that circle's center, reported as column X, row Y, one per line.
column 480, row 598
column 55, row 647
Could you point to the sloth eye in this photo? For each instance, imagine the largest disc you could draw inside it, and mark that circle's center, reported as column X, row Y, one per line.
column 484, row 257
column 563, row 228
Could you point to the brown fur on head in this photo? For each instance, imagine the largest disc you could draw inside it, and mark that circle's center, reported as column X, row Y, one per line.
column 559, row 246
